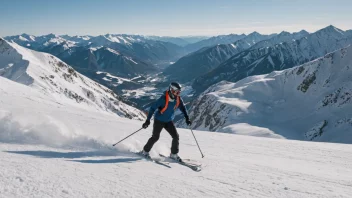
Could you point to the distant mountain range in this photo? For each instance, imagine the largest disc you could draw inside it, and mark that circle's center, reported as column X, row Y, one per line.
column 265, row 58
column 130, row 50
column 215, row 40
column 181, row 41
column 202, row 61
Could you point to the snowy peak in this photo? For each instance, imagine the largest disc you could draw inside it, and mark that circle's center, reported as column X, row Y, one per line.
column 294, row 35
column 331, row 28
column 252, row 39
column 284, row 33
column 26, row 37
column 119, row 39
column 280, row 38
column 304, row 32
column 254, row 34
column 39, row 42
column 330, row 31
column 77, row 39
column 53, row 77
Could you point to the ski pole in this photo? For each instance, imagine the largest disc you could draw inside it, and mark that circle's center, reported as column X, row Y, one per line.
column 197, row 143
column 127, row 137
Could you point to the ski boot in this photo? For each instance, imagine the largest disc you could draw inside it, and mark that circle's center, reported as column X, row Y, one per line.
column 175, row 157
column 145, row 154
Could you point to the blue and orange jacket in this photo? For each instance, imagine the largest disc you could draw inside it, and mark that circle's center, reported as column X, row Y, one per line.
column 166, row 108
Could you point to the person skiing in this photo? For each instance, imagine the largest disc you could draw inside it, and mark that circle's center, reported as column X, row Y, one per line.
column 166, row 106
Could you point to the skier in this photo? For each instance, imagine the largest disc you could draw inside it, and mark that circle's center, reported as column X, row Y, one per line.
column 166, row 106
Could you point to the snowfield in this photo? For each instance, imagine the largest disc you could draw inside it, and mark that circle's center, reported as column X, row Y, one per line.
column 50, row 149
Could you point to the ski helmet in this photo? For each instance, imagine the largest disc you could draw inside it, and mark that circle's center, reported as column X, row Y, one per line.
column 174, row 89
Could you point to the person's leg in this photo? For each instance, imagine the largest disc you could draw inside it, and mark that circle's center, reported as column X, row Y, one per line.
column 157, row 127
column 170, row 127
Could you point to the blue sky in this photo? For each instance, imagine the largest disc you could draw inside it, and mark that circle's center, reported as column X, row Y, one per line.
column 171, row 17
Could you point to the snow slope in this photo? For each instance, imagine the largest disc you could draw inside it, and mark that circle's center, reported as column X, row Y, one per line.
column 56, row 150
column 53, row 77
column 309, row 102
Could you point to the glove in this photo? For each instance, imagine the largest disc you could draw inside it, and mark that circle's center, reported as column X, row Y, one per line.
column 146, row 124
column 188, row 122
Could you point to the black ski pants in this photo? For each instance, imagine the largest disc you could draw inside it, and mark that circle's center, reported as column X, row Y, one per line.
column 158, row 126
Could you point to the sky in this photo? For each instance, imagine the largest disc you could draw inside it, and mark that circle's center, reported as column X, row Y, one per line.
column 171, row 17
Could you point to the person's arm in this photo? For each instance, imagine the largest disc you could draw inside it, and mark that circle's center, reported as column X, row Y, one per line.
column 183, row 109
column 159, row 103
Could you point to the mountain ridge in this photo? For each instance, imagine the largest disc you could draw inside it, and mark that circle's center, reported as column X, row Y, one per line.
column 277, row 57
column 53, row 77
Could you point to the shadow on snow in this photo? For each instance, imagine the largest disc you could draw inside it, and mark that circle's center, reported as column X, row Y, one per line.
column 78, row 154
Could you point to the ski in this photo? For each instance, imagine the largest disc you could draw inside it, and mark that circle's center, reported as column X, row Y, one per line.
column 156, row 161
column 195, row 167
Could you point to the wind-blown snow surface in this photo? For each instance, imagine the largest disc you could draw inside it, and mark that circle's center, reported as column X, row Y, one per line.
column 55, row 78
column 56, row 150
column 309, row 102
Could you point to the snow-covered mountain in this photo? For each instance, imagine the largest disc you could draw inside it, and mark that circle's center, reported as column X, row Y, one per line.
column 105, row 40
column 150, row 51
column 140, row 47
column 94, row 41
column 221, row 39
column 105, row 59
column 200, row 62
column 41, row 42
column 204, row 60
column 54, row 150
column 278, row 57
column 58, row 80
column 308, row 102
column 77, row 39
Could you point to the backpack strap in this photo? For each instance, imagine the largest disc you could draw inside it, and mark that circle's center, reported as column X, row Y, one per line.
column 167, row 102
column 177, row 102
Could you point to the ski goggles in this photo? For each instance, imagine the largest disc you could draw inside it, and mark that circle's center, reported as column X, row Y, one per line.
column 175, row 91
